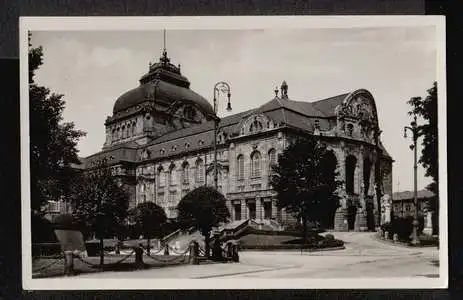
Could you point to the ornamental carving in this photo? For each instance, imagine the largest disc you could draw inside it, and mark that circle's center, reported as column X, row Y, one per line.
column 357, row 117
column 254, row 124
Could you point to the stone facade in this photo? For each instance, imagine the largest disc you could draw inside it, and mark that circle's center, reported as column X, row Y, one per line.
column 160, row 141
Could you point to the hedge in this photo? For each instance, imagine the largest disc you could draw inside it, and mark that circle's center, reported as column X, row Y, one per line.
column 319, row 245
column 403, row 227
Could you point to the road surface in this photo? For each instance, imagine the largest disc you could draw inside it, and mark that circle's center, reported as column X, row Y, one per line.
column 364, row 256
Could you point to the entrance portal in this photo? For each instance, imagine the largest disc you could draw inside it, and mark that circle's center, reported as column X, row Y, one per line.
column 252, row 210
column 267, row 210
column 351, row 212
column 237, row 211
column 370, row 215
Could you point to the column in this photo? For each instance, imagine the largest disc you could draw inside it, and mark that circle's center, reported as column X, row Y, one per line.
column 361, row 218
column 259, row 207
column 230, row 209
column 340, row 217
column 243, row 210
column 274, row 209
column 376, row 208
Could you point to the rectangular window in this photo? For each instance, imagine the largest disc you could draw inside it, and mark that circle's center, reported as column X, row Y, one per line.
column 162, row 179
column 240, row 167
column 237, row 211
column 54, row 206
column 171, row 198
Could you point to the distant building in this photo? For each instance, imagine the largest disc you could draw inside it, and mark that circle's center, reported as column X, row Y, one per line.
column 159, row 141
column 61, row 206
column 403, row 203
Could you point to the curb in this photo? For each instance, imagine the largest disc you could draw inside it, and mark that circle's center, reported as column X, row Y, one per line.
column 295, row 250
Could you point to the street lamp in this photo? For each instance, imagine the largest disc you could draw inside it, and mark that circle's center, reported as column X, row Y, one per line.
column 415, row 133
column 219, row 87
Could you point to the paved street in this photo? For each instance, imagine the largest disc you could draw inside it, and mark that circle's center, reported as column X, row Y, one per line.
column 364, row 256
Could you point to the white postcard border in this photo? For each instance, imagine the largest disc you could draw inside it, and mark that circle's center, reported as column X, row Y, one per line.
column 216, row 23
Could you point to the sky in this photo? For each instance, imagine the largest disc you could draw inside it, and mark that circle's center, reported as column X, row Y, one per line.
column 93, row 68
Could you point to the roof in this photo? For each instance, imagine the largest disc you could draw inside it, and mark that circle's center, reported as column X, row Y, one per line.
column 405, row 195
column 160, row 89
column 327, row 106
column 321, row 108
column 282, row 111
column 165, row 82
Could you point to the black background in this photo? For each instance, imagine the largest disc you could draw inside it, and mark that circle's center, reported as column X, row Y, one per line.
column 10, row 198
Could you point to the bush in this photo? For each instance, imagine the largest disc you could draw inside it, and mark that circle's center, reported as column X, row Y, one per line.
column 403, row 227
column 329, row 237
column 315, row 242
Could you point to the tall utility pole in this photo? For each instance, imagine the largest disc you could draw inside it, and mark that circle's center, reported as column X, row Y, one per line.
column 219, row 87
column 415, row 133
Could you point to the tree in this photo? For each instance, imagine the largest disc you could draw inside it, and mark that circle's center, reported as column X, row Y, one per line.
column 99, row 202
column 203, row 208
column 426, row 108
column 149, row 219
column 305, row 180
column 52, row 141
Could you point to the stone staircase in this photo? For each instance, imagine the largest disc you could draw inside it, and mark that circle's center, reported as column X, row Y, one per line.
column 180, row 239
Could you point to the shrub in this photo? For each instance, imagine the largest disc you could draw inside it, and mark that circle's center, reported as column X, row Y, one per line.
column 329, row 237
column 403, row 227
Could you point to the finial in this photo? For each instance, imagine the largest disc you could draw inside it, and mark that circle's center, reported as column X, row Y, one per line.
column 284, row 90
column 165, row 41
column 164, row 59
column 276, row 92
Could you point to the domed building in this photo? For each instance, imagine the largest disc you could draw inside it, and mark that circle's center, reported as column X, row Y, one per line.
column 160, row 143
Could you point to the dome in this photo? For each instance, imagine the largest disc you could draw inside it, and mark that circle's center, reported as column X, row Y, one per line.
column 162, row 90
column 163, row 82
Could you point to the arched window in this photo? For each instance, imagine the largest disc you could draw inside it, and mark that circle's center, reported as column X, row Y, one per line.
column 129, row 130
column 351, row 163
column 255, row 164
column 133, row 128
column 185, row 173
column 172, row 179
column 255, row 126
column 240, row 167
column 350, row 129
column 123, row 132
column 161, row 178
column 272, row 159
column 199, row 175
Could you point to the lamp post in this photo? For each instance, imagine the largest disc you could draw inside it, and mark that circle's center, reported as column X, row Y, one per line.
column 415, row 133
column 219, row 87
